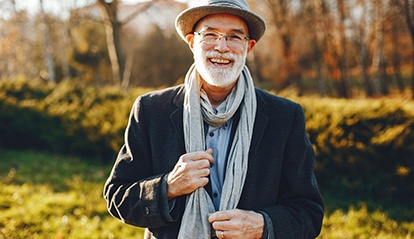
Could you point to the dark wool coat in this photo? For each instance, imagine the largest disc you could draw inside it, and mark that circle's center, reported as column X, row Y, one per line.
column 280, row 179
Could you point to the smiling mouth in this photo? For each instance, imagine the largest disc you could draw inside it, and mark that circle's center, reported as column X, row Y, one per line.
column 219, row 61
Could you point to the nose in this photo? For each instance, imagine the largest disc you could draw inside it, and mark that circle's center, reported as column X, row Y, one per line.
column 222, row 45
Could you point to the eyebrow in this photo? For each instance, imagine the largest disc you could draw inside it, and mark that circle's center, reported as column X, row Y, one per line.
column 241, row 31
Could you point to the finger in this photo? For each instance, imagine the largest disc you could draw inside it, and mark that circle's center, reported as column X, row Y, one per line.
column 210, row 159
column 200, row 155
column 220, row 234
column 221, row 226
column 202, row 181
column 219, row 216
column 203, row 172
column 201, row 164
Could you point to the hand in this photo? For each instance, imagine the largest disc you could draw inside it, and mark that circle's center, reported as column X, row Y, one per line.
column 237, row 223
column 190, row 172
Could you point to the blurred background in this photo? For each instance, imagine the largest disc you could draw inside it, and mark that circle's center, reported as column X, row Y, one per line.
column 340, row 48
column 71, row 69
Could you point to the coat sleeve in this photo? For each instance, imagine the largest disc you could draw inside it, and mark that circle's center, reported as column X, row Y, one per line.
column 133, row 194
column 299, row 211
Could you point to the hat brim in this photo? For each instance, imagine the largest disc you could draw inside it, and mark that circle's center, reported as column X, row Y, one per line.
column 186, row 20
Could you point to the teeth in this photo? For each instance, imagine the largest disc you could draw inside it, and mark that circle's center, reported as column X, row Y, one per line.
column 220, row 61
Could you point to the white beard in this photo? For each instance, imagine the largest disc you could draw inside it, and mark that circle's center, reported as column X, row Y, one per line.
column 220, row 77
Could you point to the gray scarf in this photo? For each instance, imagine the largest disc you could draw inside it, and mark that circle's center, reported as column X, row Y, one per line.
column 197, row 109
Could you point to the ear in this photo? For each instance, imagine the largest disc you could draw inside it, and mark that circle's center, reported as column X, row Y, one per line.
column 250, row 44
column 190, row 40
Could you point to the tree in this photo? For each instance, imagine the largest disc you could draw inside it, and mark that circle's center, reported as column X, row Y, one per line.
column 113, row 35
column 284, row 15
column 378, row 61
column 396, row 33
column 342, row 82
column 317, row 18
column 49, row 60
column 18, row 44
column 163, row 54
column 407, row 9
column 361, row 41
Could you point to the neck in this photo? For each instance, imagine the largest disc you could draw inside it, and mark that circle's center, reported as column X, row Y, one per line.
column 216, row 94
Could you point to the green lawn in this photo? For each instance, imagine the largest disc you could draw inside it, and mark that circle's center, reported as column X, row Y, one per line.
column 46, row 195
column 52, row 196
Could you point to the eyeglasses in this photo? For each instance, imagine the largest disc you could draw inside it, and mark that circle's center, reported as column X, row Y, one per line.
column 211, row 37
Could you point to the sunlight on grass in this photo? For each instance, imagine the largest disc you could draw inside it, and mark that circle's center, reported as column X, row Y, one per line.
column 363, row 224
column 50, row 196
column 35, row 211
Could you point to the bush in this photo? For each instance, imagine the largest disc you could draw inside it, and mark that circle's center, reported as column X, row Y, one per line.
column 364, row 148
column 69, row 117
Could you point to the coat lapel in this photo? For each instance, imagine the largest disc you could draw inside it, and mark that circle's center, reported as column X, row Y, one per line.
column 259, row 125
column 177, row 116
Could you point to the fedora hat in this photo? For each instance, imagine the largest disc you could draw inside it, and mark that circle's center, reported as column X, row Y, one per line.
column 186, row 20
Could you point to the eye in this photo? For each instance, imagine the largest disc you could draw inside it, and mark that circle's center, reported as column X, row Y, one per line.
column 210, row 34
column 235, row 37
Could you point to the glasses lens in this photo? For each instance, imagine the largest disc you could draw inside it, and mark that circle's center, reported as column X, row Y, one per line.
column 211, row 37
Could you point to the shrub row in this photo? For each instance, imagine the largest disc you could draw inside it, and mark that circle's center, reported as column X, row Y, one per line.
column 363, row 147
column 69, row 117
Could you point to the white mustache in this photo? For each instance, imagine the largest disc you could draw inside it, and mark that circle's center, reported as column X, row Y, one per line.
column 227, row 55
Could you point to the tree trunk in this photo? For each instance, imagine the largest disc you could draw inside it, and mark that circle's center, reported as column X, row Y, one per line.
column 385, row 90
column 111, row 24
column 343, row 85
column 412, row 57
column 281, row 18
column 396, row 60
column 407, row 8
column 319, row 41
column 49, row 61
column 366, row 82
column 287, row 59
column 378, row 63
column 410, row 22
column 128, row 69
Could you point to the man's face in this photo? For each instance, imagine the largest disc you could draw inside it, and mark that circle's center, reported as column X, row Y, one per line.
column 219, row 61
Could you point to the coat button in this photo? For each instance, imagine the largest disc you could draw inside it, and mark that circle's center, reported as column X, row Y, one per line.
column 146, row 210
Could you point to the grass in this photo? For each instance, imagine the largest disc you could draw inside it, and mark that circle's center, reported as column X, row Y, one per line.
column 46, row 195
column 52, row 196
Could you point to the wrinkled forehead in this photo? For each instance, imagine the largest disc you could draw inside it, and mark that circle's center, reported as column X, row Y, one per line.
column 222, row 22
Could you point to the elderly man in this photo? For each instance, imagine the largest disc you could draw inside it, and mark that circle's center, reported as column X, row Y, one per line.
column 216, row 157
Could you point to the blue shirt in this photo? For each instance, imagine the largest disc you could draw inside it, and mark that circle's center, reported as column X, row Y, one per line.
column 218, row 138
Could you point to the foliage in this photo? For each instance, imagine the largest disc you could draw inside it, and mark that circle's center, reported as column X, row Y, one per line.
column 328, row 42
column 45, row 195
column 156, row 66
column 359, row 222
column 68, row 117
column 363, row 147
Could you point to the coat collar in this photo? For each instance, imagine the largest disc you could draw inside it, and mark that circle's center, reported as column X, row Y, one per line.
column 259, row 124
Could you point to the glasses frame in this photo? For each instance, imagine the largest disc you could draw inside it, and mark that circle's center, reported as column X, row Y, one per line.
column 227, row 37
